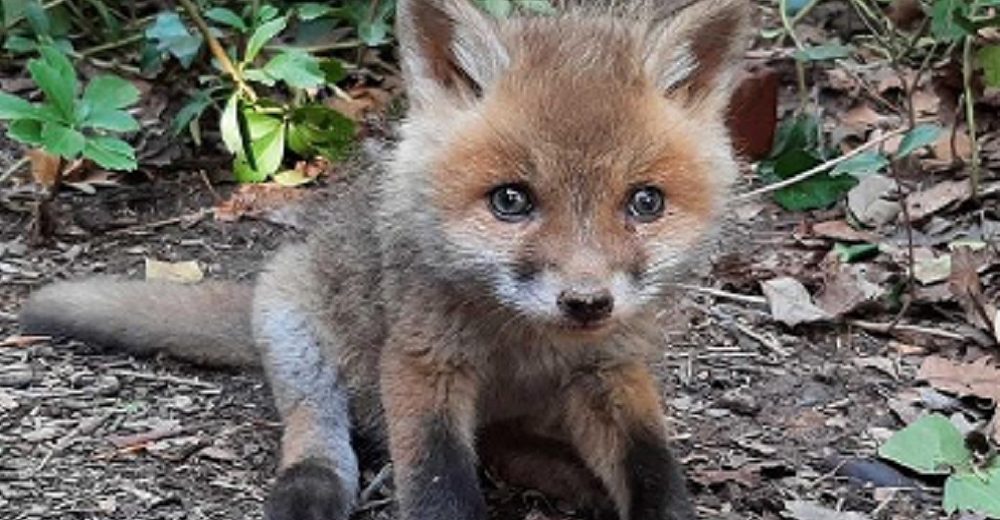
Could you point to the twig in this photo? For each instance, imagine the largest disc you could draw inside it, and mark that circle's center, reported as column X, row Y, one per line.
column 970, row 114
column 13, row 168
column 770, row 343
column 887, row 328
column 821, row 168
column 743, row 298
column 379, row 479
column 217, row 49
column 86, row 53
column 191, row 217
column 165, row 379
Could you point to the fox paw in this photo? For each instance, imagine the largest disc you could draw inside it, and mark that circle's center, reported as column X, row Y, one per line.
column 307, row 491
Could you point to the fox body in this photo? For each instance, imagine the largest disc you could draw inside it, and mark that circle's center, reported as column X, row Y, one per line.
column 495, row 281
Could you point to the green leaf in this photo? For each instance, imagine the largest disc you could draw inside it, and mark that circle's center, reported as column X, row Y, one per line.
column 13, row 107
column 312, row 11
column 107, row 91
column 797, row 133
column 111, row 119
column 38, row 19
column 537, row 6
column 978, row 492
column 849, row 253
column 268, row 145
column 26, row 131
column 497, row 8
column 229, row 126
column 54, row 74
column 110, row 153
column 921, row 136
column 259, row 76
column 932, row 445
column 296, row 68
column 227, row 17
column 20, row 44
column 292, row 178
column 822, row 53
column 373, row 27
column 862, row 164
column 191, row 111
column 989, row 57
column 318, row 129
column 333, row 71
column 61, row 140
column 944, row 19
column 263, row 34
column 170, row 35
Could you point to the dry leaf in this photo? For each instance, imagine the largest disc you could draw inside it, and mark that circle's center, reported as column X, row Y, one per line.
column 44, row 168
column 965, row 379
column 923, row 204
column 255, row 200
column 807, row 510
column 790, row 302
column 176, row 272
column 847, row 289
column 842, row 231
column 929, row 268
column 869, row 200
column 964, row 284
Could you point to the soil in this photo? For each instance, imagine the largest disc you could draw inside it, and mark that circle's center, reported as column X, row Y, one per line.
column 92, row 434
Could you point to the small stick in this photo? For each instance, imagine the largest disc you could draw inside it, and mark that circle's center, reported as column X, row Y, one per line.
column 886, row 328
column 821, row 168
column 380, row 478
column 743, row 298
column 165, row 379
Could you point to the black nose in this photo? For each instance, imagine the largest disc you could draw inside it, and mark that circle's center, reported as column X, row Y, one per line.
column 586, row 306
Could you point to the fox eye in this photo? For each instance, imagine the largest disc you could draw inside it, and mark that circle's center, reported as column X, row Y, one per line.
column 510, row 202
column 646, row 204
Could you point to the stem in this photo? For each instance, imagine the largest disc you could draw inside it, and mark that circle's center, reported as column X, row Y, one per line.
column 970, row 113
column 112, row 45
column 820, row 168
column 217, row 50
column 800, row 68
column 13, row 168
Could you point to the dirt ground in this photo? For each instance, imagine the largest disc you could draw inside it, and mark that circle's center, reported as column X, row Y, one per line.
column 762, row 416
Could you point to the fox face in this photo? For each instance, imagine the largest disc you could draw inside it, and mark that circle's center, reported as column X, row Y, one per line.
column 570, row 164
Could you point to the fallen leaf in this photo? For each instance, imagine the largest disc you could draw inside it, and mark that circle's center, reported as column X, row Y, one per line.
column 747, row 476
column 842, row 231
column 846, row 288
column 923, row 204
column 870, row 201
column 177, row 272
column 790, row 302
column 945, row 154
column 929, row 267
column 255, row 200
column 978, row 378
column 965, row 285
column 807, row 510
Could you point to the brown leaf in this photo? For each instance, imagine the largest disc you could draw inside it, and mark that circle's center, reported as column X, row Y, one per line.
column 965, row 379
column 923, row 204
column 846, row 289
column 842, row 231
column 255, row 200
column 790, row 302
column 870, row 202
column 45, row 168
column 964, row 284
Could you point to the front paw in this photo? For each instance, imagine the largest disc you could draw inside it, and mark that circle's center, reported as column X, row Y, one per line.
column 308, row 491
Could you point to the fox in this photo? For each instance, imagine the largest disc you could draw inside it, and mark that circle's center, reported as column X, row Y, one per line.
column 487, row 290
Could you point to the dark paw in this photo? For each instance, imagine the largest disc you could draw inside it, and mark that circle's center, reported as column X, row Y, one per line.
column 307, row 491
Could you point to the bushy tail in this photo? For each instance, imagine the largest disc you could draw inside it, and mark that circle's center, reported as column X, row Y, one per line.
column 207, row 324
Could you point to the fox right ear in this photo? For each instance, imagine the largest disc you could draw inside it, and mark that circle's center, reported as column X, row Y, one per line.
column 449, row 49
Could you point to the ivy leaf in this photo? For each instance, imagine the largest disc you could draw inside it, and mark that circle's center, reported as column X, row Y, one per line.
column 932, row 445
column 110, row 153
column 989, row 57
column 62, row 140
column 298, row 69
column 227, row 17
column 172, row 36
column 974, row 491
column 263, row 34
column 921, row 136
column 109, row 91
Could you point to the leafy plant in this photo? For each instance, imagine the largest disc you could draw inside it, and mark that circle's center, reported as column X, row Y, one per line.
column 68, row 124
column 933, row 445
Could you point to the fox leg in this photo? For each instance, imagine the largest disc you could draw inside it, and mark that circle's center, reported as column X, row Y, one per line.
column 318, row 470
column 615, row 420
column 430, row 413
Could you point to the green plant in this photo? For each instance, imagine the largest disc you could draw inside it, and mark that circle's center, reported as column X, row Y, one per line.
column 69, row 124
column 932, row 445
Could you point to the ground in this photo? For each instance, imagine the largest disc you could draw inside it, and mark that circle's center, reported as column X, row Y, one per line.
column 91, row 434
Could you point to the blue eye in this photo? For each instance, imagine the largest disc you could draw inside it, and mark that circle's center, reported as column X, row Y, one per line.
column 646, row 204
column 511, row 202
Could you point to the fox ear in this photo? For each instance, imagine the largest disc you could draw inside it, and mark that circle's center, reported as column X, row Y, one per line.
column 448, row 47
column 695, row 53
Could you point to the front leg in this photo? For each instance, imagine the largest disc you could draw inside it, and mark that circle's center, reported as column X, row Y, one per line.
column 615, row 421
column 430, row 411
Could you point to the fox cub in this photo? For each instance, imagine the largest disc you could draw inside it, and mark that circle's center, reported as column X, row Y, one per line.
column 489, row 292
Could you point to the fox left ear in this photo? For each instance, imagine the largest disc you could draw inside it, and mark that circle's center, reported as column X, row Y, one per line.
column 696, row 53
column 449, row 48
